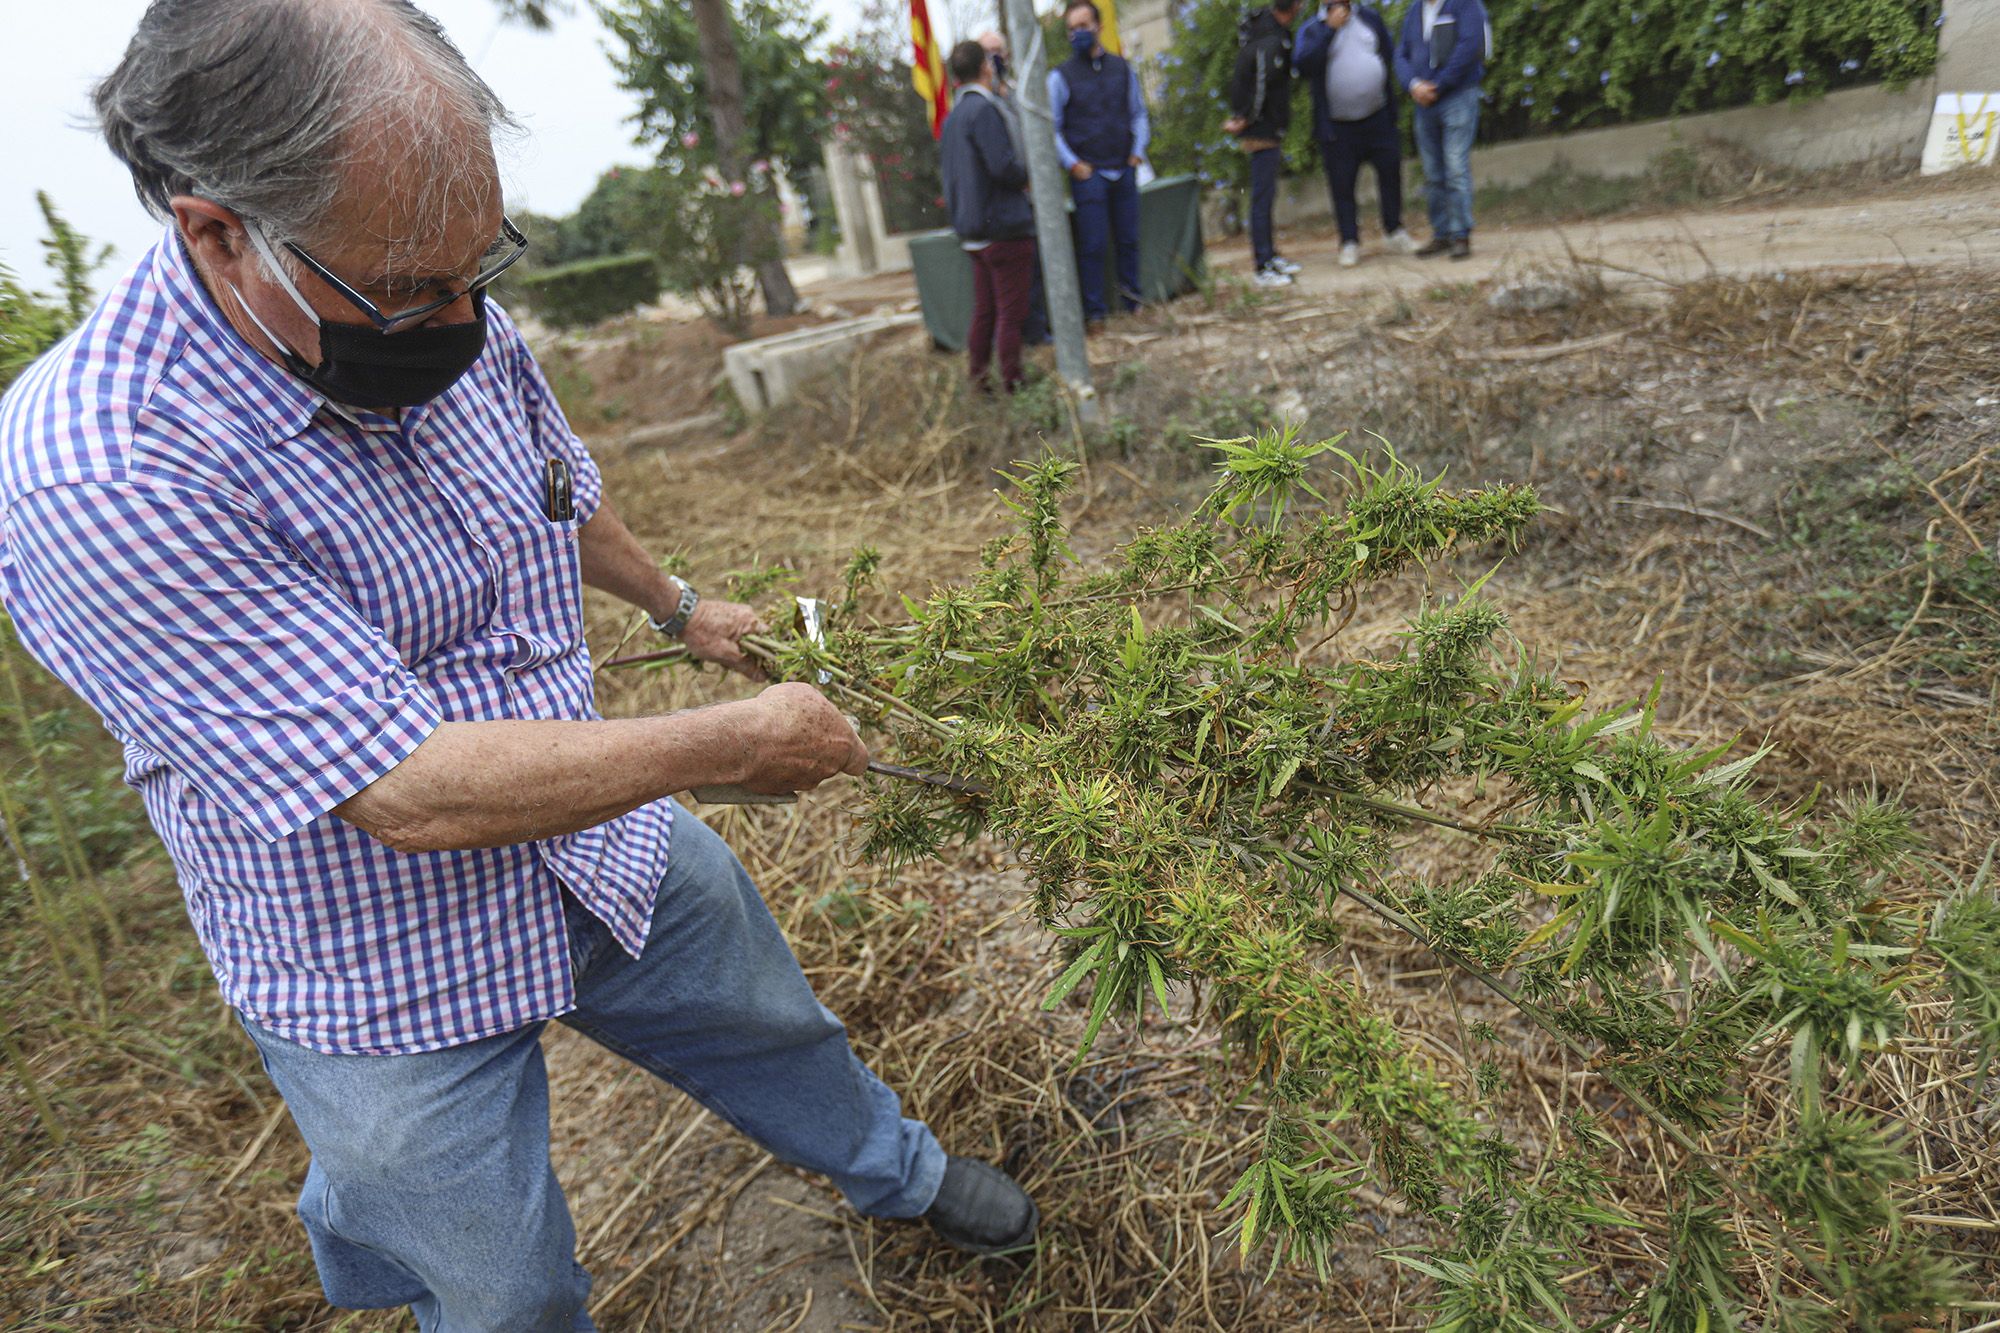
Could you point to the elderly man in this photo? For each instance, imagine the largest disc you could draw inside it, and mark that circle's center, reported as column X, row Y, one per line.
column 1034, row 329
column 296, row 512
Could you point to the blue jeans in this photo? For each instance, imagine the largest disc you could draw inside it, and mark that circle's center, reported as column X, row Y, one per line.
column 1264, row 164
column 1107, row 214
column 1444, row 141
column 430, row 1183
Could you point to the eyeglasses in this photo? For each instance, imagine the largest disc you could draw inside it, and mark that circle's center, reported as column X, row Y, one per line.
column 508, row 247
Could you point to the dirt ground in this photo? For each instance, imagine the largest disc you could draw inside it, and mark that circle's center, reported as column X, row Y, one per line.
column 1769, row 438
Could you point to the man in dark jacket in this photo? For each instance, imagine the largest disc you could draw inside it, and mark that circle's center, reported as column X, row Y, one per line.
column 1260, row 103
column 1101, row 134
column 1440, row 60
column 985, row 191
column 1348, row 62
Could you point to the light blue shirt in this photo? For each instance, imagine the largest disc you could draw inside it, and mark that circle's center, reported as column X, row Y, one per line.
column 1142, row 124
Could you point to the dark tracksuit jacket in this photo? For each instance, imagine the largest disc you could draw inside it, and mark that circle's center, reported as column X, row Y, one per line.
column 1261, row 89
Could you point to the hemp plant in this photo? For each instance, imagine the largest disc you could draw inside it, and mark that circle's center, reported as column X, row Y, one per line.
column 1192, row 786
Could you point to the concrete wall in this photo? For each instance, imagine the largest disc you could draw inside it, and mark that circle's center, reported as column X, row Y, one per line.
column 1969, row 47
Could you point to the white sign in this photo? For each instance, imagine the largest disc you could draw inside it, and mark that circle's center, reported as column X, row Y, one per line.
column 1965, row 131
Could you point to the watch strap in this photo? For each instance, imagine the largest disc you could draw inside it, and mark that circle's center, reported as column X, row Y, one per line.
column 676, row 624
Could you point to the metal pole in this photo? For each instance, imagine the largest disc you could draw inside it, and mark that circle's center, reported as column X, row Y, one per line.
column 1050, row 184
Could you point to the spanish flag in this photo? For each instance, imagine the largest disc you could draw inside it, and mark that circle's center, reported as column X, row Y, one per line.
column 1107, row 27
column 927, row 66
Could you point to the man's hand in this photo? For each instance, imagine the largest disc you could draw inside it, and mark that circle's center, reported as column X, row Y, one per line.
column 1083, row 171
column 802, row 740
column 715, row 634
column 1133, row 160
column 1235, row 125
column 1424, row 93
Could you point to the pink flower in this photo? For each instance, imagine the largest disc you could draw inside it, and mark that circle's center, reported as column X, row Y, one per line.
column 760, row 166
column 737, row 189
column 690, row 140
column 833, row 85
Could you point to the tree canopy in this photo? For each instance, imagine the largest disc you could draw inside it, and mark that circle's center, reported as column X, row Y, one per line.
column 784, row 84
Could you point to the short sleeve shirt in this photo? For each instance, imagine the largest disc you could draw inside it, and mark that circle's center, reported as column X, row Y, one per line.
column 271, row 603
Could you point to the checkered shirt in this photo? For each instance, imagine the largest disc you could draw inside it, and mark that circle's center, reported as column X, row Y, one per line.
column 271, row 604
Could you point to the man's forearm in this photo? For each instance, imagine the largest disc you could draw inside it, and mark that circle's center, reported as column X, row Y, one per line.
column 495, row 784
column 614, row 562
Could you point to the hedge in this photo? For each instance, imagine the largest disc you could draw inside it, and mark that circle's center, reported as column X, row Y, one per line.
column 590, row 290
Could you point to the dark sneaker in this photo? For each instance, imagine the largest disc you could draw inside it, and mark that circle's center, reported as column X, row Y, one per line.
column 980, row 1209
column 1461, row 247
column 1430, row 249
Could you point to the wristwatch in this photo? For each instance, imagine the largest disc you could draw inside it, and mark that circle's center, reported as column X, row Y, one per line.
column 676, row 624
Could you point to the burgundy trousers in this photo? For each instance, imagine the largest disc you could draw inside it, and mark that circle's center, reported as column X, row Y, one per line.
column 1003, row 274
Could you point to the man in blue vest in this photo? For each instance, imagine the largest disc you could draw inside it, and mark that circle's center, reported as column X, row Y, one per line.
column 1101, row 134
column 1441, row 59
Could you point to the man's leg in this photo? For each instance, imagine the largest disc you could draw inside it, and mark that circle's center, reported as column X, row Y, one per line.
column 1385, row 150
column 1430, row 150
column 1014, row 277
column 1342, row 166
column 1460, row 116
column 1093, row 233
column 979, row 334
column 1263, row 199
column 1124, row 201
column 717, row 1006
column 430, row 1183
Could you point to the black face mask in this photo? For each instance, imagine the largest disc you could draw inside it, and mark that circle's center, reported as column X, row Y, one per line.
column 361, row 366
column 999, row 68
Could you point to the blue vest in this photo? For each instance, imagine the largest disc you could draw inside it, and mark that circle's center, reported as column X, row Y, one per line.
column 1098, row 120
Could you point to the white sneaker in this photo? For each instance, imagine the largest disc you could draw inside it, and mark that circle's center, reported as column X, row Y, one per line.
column 1401, row 242
column 1270, row 277
column 1283, row 265
column 1350, row 254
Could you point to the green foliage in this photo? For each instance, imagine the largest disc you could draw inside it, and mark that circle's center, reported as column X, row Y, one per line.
column 658, row 57
column 1191, row 789
column 31, row 322
column 871, row 106
column 591, row 290
column 1559, row 67
column 1965, row 939
column 707, row 234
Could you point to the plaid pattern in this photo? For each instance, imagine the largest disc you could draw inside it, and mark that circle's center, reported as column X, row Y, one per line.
column 271, row 602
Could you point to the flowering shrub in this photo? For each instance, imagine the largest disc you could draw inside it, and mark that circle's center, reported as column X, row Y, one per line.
column 870, row 107
column 708, row 232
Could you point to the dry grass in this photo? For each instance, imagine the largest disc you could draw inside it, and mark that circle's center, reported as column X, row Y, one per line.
column 169, row 1208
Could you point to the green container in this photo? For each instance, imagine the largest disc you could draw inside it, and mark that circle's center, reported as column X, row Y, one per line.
column 1170, row 254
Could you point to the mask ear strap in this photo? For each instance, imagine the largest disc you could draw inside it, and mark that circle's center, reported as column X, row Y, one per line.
column 277, row 269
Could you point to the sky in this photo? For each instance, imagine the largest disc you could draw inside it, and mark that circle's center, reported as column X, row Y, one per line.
column 560, row 84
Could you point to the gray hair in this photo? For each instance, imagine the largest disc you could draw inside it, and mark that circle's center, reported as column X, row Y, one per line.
column 263, row 105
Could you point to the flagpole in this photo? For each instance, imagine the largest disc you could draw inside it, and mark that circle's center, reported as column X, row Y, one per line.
column 1050, row 184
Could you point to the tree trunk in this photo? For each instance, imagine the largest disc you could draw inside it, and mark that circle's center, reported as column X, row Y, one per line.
column 725, row 114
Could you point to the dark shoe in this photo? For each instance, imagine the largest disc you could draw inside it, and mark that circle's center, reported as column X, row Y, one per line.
column 1461, row 247
column 1093, row 327
column 1430, row 249
column 979, row 1208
